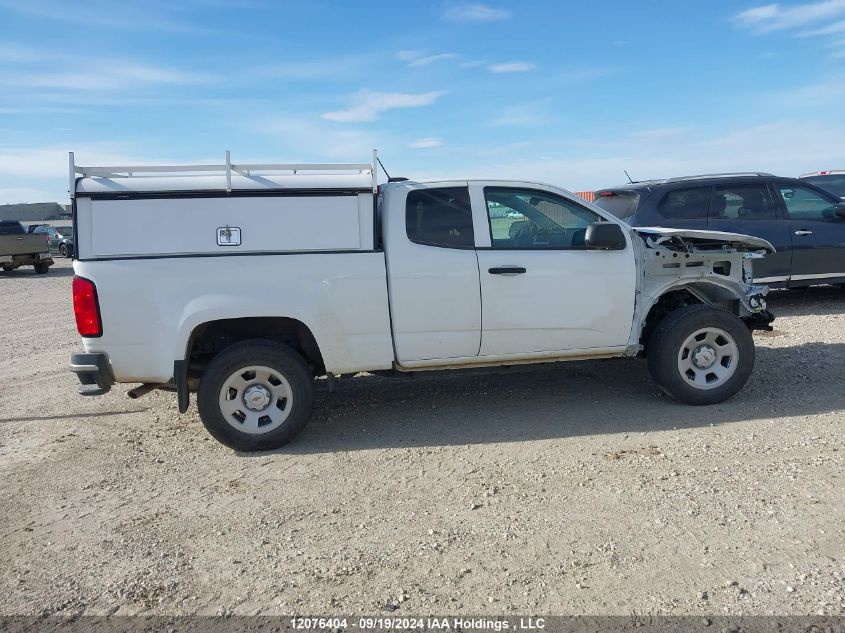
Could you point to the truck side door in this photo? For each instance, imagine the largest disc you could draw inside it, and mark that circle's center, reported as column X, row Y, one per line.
column 432, row 271
column 542, row 290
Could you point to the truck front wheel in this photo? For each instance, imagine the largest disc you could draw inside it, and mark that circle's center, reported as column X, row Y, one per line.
column 700, row 354
column 255, row 396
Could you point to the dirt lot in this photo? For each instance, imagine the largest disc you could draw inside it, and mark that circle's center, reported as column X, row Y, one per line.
column 573, row 488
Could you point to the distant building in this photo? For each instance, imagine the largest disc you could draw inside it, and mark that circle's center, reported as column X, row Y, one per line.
column 33, row 212
column 589, row 196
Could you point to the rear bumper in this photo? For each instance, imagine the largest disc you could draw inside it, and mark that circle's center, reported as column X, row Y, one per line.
column 26, row 259
column 92, row 369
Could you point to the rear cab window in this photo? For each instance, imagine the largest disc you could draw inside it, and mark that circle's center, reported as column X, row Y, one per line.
column 440, row 217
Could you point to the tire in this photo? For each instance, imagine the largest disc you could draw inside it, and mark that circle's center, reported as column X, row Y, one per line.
column 701, row 354
column 252, row 369
column 8, row 267
column 63, row 250
column 41, row 268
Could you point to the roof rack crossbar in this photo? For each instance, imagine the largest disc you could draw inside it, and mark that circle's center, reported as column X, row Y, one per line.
column 226, row 168
column 730, row 173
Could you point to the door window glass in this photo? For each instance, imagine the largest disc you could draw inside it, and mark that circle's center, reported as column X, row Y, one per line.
column 743, row 202
column 805, row 204
column 525, row 218
column 685, row 203
column 440, row 217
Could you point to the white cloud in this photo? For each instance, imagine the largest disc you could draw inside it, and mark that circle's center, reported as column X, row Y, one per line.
column 103, row 14
column 776, row 17
column 660, row 132
column 426, row 143
column 470, row 12
column 511, row 67
column 407, row 56
column 431, row 59
column 825, row 92
column 526, row 114
column 368, row 105
column 304, row 139
column 590, row 165
column 472, row 63
column 831, row 29
column 26, row 67
column 586, row 73
column 40, row 174
column 342, row 66
column 114, row 77
column 15, row 195
column 416, row 59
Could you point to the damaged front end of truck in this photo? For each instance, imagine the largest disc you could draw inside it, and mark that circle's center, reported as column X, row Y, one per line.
column 683, row 266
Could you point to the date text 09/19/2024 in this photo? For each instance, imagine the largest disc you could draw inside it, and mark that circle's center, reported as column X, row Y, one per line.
column 412, row 623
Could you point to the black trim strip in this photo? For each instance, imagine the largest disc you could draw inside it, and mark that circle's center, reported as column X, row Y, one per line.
column 216, row 193
column 180, row 379
column 226, row 254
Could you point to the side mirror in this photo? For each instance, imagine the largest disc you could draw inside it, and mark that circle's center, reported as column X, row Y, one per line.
column 605, row 236
column 839, row 210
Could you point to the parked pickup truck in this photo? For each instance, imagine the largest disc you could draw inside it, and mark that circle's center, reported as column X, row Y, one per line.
column 17, row 248
column 245, row 282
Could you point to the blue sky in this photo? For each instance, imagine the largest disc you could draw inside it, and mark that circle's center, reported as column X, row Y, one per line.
column 566, row 92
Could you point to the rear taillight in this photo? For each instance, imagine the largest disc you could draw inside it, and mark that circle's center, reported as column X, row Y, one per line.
column 86, row 307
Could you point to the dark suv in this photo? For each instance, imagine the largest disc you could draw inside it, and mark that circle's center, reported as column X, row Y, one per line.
column 804, row 223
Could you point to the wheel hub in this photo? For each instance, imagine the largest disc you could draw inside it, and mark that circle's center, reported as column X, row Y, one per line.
column 257, row 397
column 704, row 356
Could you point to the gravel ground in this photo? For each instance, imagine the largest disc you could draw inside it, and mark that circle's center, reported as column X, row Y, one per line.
column 562, row 489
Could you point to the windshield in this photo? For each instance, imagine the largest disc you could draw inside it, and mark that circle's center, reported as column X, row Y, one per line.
column 622, row 204
column 834, row 183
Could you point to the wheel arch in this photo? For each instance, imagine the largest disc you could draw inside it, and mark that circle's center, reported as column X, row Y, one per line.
column 677, row 295
column 209, row 338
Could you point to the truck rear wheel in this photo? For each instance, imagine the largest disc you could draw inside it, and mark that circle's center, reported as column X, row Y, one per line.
column 41, row 268
column 255, row 396
column 701, row 354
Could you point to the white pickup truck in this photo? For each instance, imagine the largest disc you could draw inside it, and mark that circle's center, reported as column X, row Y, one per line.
column 245, row 282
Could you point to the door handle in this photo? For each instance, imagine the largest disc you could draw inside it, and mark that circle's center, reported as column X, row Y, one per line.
column 506, row 270
column 803, row 232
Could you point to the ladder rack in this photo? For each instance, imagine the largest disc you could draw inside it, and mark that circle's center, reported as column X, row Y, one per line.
column 226, row 168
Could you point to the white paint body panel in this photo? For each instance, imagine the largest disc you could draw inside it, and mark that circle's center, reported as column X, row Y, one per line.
column 150, row 306
column 177, row 226
column 566, row 300
column 434, row 292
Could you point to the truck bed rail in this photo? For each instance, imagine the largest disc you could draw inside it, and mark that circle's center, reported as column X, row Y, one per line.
column 227, row 168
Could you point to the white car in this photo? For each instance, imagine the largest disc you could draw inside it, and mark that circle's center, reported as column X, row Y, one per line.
column 244, row 282
column 832, row 180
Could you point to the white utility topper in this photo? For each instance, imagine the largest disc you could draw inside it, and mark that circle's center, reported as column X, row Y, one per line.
column 243, row 282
